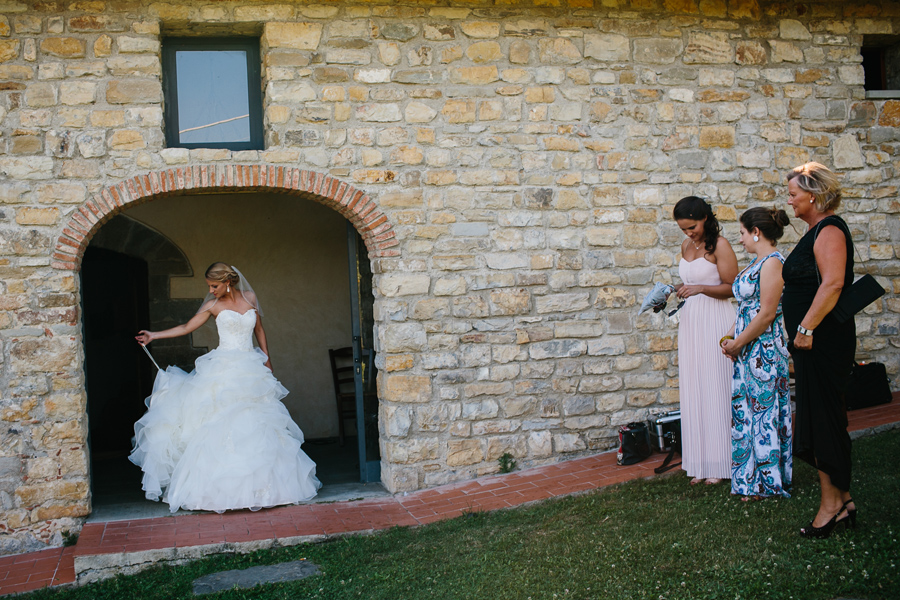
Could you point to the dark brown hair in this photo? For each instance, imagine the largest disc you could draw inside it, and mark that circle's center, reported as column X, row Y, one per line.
column 695, row 208
column 770, row 222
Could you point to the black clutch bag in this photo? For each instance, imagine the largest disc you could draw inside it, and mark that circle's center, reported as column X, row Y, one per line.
column 862, row 293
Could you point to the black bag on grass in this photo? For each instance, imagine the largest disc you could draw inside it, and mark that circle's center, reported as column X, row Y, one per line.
column 634, row 444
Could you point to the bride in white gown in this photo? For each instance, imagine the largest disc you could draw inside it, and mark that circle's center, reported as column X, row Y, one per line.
column 219, row 438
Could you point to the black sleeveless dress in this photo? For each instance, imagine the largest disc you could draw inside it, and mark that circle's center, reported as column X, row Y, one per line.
column 822, row 373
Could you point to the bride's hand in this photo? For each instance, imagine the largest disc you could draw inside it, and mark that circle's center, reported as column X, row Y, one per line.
column 144, row 337
column 268, row 364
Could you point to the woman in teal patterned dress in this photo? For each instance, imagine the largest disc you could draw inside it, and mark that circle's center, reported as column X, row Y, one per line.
column 761, row 461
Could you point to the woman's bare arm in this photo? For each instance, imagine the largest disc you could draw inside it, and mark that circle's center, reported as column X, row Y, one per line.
column 771, row 285
column 830, row 251
column 144, row 337
column 260, row 333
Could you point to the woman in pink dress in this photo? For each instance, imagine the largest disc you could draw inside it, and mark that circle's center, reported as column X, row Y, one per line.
column 708, row 267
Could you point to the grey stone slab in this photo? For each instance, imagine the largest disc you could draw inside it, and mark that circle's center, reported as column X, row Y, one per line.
column 254, row 576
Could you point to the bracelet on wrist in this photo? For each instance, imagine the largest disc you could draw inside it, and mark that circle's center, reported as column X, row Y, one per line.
column 803, row 330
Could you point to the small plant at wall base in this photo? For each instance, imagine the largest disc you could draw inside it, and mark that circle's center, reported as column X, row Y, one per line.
column 507, row 463
column 69, row 538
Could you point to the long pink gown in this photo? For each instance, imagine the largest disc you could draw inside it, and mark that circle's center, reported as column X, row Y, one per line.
column 704, row 376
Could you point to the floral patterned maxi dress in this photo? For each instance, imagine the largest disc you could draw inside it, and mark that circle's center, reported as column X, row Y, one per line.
column 761, row 462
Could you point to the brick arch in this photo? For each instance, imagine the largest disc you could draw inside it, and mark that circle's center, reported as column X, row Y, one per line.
column 375, row 228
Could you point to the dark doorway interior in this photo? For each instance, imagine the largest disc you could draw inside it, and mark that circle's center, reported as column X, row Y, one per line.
column 335, row 464
column 119, row 377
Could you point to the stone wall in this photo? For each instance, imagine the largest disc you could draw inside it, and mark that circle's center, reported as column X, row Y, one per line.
column 511, row 165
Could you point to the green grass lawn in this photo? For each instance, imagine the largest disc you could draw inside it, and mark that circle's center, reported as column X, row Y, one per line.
column 659, row 539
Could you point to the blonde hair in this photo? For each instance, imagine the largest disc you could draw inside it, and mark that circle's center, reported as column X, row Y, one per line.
column 818, row 180
column 222, row 273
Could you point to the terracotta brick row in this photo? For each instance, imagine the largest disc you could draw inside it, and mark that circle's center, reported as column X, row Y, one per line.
column 373, row 225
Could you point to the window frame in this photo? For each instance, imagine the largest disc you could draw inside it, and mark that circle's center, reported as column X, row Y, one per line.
column 170, row 46
column 874, row 51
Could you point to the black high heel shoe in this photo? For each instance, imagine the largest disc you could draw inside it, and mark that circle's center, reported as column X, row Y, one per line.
column 850, row 520
column 810, row 531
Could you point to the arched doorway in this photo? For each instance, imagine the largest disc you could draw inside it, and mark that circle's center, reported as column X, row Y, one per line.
column 352, row 201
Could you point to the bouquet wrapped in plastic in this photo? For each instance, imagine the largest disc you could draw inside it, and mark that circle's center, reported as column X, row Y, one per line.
column 657, row 297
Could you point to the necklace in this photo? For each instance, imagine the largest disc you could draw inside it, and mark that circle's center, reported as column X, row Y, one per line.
column 696, row 247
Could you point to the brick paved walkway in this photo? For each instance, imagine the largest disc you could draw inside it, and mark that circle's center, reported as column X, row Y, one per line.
column 56, row 566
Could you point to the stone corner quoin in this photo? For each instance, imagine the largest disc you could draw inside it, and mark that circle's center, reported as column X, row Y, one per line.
column 512, row 173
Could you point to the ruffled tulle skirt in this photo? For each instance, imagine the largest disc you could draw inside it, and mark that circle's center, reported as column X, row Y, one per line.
column 219, row 438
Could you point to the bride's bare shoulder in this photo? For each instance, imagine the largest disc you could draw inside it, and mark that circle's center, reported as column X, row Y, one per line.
column 209, row 306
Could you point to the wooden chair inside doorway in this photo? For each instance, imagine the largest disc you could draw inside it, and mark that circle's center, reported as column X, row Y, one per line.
column 342, row 369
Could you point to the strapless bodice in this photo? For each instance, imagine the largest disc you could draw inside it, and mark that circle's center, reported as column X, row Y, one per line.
column 699, row 272
column 236, row 329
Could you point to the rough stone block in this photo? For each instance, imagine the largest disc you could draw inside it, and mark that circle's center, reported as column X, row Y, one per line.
column 137, row 45
column 562, row 303
column 661, row 51
column 25, row 144
column 379, row 113
column 102, row 46
column 406, row 388
column 568, row 442
column 707, row 48
column 405, row 337
column 77, row 92
column 35, row 167
column 607, row 47
column 483, row 75
column 791, row 29
column 9, row 50
column 133, row 91
column 785, row 52
column 128, row 66
column 557, row 349
column 96, row 22
column 126, row 139
column 464, row 452
column 403, row 284
column 484, row 52
column 37, row 216
column 348, row 57
column 33, row 495
column 296, row 36
column 63, row 47
column 510, row 302
column 717, row 137
column 39, row 95
column 558, row 51
column 480, row 29
column 847, row 154
column 519, row 52
column 459, row 111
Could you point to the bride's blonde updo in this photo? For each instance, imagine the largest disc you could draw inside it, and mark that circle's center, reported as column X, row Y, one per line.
column 222, row 273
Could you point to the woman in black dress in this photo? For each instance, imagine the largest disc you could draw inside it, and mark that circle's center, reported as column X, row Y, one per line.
column 815, row 272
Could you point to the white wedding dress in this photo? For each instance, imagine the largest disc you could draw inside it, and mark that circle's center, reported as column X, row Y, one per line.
column 219, row 438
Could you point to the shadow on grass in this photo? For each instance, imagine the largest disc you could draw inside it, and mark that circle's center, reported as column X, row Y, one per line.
column 656, row 539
